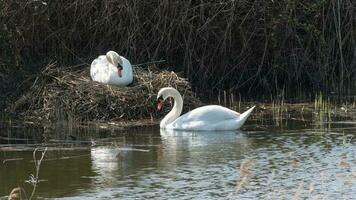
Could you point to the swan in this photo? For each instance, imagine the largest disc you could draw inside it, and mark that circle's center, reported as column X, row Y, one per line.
column 206, row 118
column 111, row 69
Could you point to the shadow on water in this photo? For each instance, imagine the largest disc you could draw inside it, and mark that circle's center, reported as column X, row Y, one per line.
column 289, row 157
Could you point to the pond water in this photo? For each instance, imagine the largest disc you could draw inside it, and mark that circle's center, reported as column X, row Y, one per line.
column 291, row 158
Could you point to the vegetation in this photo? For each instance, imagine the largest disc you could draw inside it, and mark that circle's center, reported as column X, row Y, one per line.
column 60, row 94
column 249, row 47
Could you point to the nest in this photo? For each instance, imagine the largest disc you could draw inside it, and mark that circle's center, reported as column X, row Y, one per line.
column 69, row 94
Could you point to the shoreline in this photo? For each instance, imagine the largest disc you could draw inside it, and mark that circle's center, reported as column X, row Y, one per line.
column 274, row 110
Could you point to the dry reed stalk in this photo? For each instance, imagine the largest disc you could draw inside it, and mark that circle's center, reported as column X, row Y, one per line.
column 255, row 47
column 34, row 179
column 11, row 160
column 298, row 193
column 17, row 194
column 62, row 94
column 245, row 174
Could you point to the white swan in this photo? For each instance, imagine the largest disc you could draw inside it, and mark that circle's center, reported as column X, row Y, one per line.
column 111, row 69
column 208, row 118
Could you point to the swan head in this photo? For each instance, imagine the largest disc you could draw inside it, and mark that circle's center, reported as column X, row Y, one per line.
column 115, row 59
column 163, row 94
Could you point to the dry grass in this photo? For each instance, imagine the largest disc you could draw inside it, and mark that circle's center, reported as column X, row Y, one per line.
column 248, row 47
column 70, row 94
column 17, row 194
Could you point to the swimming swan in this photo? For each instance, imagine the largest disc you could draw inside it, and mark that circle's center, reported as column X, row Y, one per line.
column 111, row 69
column 207, row 118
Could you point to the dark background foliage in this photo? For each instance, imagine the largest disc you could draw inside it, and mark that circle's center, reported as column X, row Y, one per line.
column 256, row 48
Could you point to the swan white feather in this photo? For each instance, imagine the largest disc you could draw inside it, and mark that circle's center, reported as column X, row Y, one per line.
column 105, row 69
column 208, row 118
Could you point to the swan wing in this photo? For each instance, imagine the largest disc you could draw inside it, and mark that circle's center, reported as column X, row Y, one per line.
column 204, row 116
column 100, row 70
column 104, row 72
column 210, row 113
column 210, row 118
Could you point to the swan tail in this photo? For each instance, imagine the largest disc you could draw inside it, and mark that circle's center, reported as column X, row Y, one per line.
column 246, row 114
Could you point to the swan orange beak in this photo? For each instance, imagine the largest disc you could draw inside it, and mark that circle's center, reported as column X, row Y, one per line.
column 159, row 104
column 119, row 71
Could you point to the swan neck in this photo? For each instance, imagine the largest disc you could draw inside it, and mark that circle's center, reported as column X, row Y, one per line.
column 175, row 112
column 113, row 58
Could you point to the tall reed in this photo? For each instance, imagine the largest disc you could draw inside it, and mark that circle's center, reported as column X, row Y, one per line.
column 249, row 47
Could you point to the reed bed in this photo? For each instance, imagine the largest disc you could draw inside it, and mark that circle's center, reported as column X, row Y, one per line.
column 254, row 48
column 70, row 94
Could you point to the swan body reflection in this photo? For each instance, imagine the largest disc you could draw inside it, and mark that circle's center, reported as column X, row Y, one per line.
column 196, row 146
column 106, row 162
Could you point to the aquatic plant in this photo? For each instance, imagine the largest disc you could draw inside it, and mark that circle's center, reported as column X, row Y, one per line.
column 34, row 179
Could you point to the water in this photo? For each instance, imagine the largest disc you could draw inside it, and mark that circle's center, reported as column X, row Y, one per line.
column 293, row 158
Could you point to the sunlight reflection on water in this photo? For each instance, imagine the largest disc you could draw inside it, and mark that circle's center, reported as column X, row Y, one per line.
column 151, row 163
